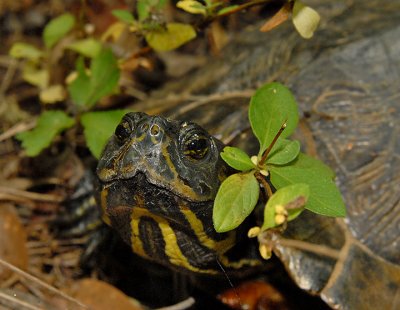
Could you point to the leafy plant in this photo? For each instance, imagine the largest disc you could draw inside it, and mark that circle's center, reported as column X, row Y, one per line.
column 57, row 28
column 301, row 182
column 165, row 36
column 208, row 8
column 36, row 69
column 99, row 126
column 48, row 126
column 85, row 87
column 159, row 35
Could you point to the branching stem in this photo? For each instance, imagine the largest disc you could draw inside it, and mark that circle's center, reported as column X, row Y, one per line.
column 268, row 150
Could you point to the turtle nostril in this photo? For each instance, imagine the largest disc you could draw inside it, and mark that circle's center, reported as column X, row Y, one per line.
column 154, row 130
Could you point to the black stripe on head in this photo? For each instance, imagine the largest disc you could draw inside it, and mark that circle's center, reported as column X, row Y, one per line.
column 152, row 239
column 196, row 254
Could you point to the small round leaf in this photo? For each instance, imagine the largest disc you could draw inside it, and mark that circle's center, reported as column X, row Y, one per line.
column 292, row 198
column 57, row 28
column 49, row 124
column 237, row 159
column 284, row 152
column 192, row 6
column 123, row 15
column 270, row 107
column 87, row 47
column 25, row 50
column 175, row 35
column 236, row 199
column 325, row 197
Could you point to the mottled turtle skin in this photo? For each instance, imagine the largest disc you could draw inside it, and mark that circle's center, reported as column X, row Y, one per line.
column 347, row 82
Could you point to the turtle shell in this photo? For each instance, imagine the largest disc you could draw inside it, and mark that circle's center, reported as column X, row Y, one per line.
column 346, row 80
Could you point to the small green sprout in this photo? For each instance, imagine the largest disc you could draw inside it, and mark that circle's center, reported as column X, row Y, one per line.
column 301, row 182
column 85, row 86
column 159, row 35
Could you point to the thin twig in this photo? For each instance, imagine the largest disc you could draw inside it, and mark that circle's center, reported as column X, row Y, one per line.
column 41, row 283
column 29, row 195
column 16, row 129
column 10, row 281
column 185, row 304
column 18, row 301
column 5, row 84
column 309, row 247
column 34, row 290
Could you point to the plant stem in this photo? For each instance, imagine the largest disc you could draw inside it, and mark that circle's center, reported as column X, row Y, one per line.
column 266, row 153
column 309, row 247
column 264, row 183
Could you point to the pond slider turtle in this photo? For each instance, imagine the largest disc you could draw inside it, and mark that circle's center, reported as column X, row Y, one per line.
column 346, row 80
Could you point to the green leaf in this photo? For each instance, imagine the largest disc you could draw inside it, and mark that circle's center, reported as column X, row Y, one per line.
column 161, row 3
column 236, row 158
column 57, row 28
column 104, row 76
column 124, row 16
column 25, row 50
column 305, row 19
column 86, row 47
column 143, row 9
column 52, row 94
column 235, row 200
column 192, row 6
column 79, row 89
column 35, row 76
column 170, row 38
column 325, row 198
column 284, row 152
column 98, row 128
column 49, row 124
column 291, row 198
column 270, row 107
column 227, row 9
column 269, row 217
column 87, row 89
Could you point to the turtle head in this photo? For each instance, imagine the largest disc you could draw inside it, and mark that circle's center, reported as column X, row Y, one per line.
column 157, row 182
column 180, row 157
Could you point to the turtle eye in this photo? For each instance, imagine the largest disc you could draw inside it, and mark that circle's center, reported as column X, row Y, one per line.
column 123, row 131
column 196, row 146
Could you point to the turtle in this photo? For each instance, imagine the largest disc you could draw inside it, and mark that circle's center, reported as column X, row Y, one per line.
column 346, row 80
column 157, row 181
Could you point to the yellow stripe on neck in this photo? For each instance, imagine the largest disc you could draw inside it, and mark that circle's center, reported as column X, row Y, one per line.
column 220, row 247
column 172, row 250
